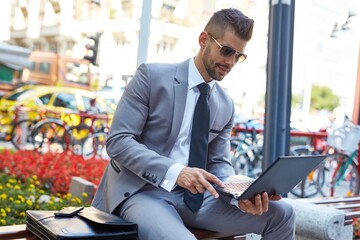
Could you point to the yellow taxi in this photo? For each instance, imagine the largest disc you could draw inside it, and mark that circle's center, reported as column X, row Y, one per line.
column 36, row 99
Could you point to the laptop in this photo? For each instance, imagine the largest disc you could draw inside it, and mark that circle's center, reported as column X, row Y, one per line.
column 279, row 178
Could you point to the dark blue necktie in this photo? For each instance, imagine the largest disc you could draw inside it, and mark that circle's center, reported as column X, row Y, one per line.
column 199, row 143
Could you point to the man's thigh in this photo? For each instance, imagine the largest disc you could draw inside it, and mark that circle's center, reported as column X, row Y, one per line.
column 163, row 215
column 155, row 212
column 219, row 216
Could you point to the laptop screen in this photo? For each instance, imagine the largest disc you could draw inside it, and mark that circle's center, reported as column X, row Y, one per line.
column 279, row 178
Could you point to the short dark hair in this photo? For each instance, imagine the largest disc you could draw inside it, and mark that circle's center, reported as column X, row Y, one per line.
column 230, row 19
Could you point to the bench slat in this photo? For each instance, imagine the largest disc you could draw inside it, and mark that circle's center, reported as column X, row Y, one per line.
column 347, row 206
column 352, row 215
column 20, row 232
column 16, row 232
column 205, row 234
column 330, row 200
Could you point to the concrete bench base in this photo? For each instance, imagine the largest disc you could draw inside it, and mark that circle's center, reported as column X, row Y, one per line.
column 314, row 222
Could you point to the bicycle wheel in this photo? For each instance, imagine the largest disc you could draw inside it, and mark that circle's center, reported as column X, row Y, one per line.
column 245, row 157
column 342, row 176
column 78, row 135
column 21, row 134
column 315, row 180
column 50, row 136
column 95, row 146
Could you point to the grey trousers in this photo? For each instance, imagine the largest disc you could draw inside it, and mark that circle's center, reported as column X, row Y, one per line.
column 164, row 215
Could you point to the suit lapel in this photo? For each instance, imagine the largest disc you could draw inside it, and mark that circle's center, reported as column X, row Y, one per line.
column 214, row 104
column 180, row 92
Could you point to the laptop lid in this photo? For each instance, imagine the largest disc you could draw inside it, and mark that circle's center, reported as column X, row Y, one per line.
column 280, row 177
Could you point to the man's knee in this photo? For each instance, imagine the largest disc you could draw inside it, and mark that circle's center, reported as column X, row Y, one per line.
column 281, row 223
column 284, row 212
column 289, row 212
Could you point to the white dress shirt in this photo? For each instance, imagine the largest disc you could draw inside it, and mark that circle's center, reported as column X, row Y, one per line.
column 180, row 151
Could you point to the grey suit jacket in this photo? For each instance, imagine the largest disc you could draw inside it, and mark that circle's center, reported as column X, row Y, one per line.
column 145, row 127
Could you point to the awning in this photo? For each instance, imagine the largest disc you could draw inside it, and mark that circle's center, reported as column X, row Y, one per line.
column 14, row 57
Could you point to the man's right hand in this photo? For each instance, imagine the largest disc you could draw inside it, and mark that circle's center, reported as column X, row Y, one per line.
column 197, row 180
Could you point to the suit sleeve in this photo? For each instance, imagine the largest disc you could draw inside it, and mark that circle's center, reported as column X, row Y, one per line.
column 124, row 142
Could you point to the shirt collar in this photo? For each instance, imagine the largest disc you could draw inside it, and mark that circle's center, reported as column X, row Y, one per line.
column 195, row 77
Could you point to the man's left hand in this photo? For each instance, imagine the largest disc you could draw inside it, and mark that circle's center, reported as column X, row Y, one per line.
column 260, row 204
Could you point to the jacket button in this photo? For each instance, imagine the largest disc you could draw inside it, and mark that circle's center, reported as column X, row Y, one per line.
column 127, row 194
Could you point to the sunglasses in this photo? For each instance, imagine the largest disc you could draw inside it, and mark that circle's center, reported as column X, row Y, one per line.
column 227, row 51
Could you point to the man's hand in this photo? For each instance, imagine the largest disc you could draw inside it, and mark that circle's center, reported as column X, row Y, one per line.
column 197, row 180
column 260, row 204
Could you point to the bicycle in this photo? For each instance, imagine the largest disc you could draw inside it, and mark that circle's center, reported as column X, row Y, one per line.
column 312, row 184
column 94, row 145
column 22, row 125
column 338, row 175
column 74, row 131
column 246, row 149
column 344, row 171
column 52, row 133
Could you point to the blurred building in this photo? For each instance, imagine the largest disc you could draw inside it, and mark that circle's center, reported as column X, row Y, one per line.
column 62, row 26
column 326, row 40
column 326, row 47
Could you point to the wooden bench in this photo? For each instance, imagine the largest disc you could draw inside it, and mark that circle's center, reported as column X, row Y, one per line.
column 20, row 232
column 350, row 206
column 16, row 232
column 204, row 234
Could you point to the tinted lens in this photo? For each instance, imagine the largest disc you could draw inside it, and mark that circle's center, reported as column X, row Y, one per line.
column 227, row 51
column 241, row 57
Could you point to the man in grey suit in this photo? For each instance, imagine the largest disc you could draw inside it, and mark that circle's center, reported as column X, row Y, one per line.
column 149, row 144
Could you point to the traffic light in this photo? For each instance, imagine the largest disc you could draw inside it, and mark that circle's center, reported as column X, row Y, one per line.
column 91, row 46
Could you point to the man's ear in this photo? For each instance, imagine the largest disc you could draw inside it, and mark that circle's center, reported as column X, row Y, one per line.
column 203, row 38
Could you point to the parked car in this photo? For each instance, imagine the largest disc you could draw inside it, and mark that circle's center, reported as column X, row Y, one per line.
column 53, row 97
column 60, row 99
column 111, row 95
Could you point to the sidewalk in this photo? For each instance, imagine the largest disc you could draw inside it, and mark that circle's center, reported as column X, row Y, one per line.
column 6, row 145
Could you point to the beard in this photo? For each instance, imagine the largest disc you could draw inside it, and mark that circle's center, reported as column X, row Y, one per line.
column 210, row 65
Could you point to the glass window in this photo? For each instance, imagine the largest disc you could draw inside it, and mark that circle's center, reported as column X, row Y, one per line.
column 20, row 95
column 87, row 104
column 78, row 73
column 94, row 108
column 45, row 99
column 32, row 67
column 6, row 73
column 98, row 107
column 44, row 67
column 66, row 100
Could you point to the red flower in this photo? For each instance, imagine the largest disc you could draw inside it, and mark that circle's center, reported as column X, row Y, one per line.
column 54, row 169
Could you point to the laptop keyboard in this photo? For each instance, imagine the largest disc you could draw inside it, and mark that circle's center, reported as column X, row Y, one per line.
column 237, row 186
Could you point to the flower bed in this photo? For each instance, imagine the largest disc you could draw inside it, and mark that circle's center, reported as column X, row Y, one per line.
column 54, row 170
column 34, row 181
column 17, row 196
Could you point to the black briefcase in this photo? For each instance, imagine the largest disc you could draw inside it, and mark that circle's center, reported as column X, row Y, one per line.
column 86, row 223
